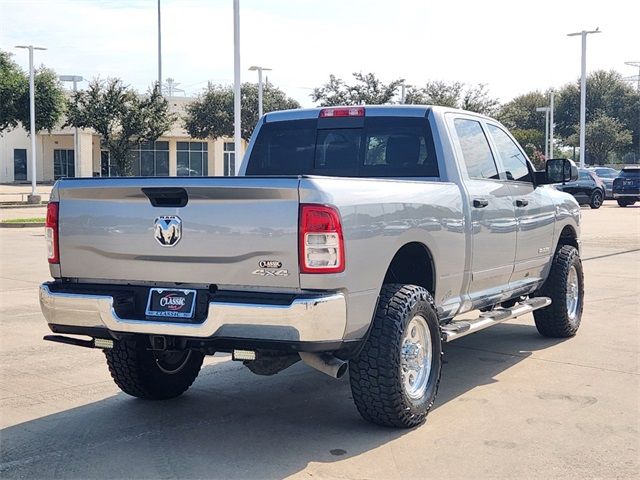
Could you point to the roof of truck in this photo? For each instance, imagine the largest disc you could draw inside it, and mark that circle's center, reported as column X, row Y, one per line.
column 370, row 110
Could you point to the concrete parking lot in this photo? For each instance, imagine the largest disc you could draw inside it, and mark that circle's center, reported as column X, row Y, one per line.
column 511, row 405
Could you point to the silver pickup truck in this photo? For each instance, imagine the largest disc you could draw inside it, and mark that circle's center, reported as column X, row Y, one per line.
column 355, row 239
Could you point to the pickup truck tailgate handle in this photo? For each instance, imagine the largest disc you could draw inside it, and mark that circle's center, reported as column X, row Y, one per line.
column 480, row 202
column 167, row 196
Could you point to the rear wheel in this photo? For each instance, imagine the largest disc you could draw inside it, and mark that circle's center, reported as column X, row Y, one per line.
column 565, row 288
column 395, row 378
column 596, row 199
column 155, row 375
column 625, row 203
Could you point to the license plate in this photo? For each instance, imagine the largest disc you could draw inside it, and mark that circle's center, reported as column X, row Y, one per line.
column 628, row 183
column 171, row 303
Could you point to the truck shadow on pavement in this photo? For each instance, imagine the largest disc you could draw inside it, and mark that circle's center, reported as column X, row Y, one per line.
column 233, row 424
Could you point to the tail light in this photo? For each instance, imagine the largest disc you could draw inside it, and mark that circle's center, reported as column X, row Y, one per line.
column 51, row 233
column 321, row 242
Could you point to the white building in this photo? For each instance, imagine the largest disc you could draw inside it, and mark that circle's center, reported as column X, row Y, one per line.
column 174, row 154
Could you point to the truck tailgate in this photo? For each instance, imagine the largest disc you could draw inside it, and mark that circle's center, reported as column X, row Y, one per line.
column 228, row 227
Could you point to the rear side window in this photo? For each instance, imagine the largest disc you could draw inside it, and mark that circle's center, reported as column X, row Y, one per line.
column 475, row 150
column 377, row 147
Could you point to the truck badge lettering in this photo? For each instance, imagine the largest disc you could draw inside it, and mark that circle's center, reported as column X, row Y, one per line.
column 271, row 273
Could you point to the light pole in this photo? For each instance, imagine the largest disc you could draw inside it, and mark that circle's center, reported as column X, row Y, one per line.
column 34, row 197
column 551, row 107
column 259, row 70
column 237, row 112
column 583, row 88
column 546, row 111
column 76, row 146
column 159, row 51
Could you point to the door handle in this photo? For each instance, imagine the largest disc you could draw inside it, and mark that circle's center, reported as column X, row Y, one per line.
column 480, row 202
column 521, row 202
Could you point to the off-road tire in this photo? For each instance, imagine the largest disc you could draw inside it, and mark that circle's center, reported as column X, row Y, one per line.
column 135, row 370
column 554, row 321
column 597, row 197
column 375, row 374
column 625, row 203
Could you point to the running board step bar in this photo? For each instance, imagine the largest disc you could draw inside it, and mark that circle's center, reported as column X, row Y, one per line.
column 461, row 328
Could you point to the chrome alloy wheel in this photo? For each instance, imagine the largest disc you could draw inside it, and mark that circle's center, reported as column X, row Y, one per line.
column 573, row 293
column 597, row 199
column 171, row 362
column 415, row 357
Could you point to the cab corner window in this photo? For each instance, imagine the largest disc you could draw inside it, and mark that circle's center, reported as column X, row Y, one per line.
column 513, row 160
column 475, row 150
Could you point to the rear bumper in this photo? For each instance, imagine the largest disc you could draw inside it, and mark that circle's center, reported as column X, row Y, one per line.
column 626, row 195
column 309, row 318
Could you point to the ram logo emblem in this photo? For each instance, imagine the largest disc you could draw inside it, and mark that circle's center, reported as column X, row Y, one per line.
column 168, row 230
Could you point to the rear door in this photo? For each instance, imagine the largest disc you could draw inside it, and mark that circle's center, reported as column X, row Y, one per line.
column 221, row 231
column 535, row 211
column 493, row 222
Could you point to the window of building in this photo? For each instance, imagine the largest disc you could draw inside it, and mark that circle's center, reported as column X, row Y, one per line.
column 63, row 164
column 19, row 164
column 192, row 159
column 151, row 159
column 513, row 160
column 229, row 157
column 106, row 168
column 475, row 150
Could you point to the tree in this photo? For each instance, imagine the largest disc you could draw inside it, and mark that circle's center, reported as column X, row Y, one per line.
column 120, row 116
column 477, row 99
column 436, row 93
column 607, row 94
column 525, row 123
column 211, row 114
column 367, row 90
column 604, row 135
column 455, row 95
column 14, row 97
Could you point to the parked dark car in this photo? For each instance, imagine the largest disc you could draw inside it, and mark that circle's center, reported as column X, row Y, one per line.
column 607, row 175
column 626, row 188
column 588, row 189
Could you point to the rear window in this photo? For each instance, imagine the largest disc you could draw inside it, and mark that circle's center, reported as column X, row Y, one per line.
column 377, row 147
column 630, row 172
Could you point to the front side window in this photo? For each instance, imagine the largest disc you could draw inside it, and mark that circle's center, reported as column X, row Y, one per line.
column 513, row 160
column 475, row 150
column 192, row 159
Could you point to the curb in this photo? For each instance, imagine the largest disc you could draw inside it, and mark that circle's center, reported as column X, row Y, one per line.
column 9, row 206
column 21, row 225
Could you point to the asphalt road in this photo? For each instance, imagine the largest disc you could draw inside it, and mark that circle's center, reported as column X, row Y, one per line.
column 511, row 404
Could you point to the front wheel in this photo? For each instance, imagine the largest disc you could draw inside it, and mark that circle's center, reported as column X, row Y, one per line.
column 596, row 199
column 565, row 288
column 395, row 378
column 149, row 374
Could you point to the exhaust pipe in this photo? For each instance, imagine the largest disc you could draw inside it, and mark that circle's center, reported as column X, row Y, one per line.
column 325, row 363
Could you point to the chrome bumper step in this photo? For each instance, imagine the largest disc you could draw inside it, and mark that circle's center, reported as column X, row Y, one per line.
column 461, row 328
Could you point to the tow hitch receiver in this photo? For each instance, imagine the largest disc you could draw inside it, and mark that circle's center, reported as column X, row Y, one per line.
column 101, row 343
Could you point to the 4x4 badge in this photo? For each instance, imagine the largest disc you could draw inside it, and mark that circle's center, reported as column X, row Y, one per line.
column 167, row 230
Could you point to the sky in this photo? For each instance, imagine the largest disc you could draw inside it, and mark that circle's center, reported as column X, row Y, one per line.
column 512, row 46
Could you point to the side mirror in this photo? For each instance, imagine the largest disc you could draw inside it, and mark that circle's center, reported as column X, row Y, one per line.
column 560, row 170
